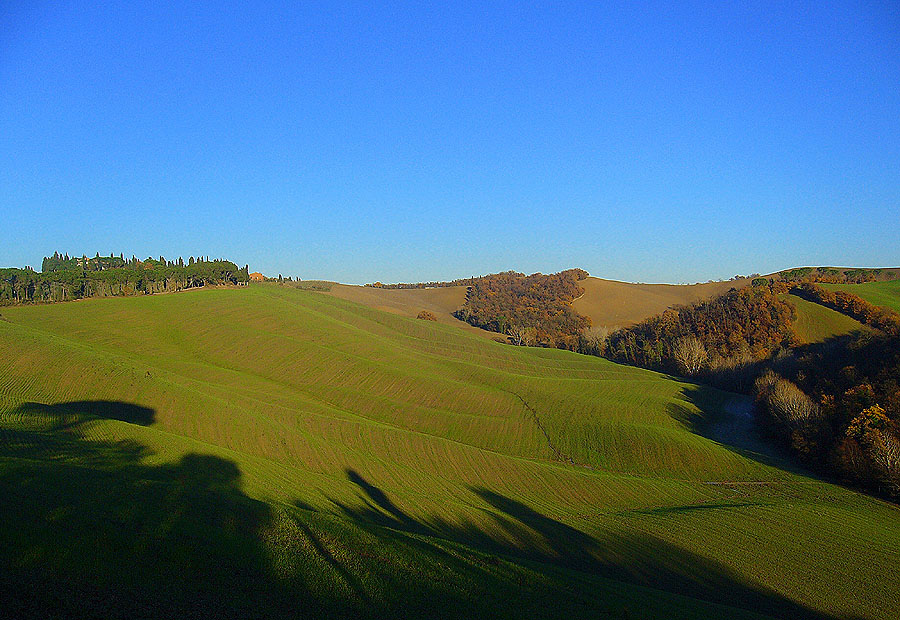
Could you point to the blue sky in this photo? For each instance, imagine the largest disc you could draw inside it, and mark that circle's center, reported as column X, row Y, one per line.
column 413, row 141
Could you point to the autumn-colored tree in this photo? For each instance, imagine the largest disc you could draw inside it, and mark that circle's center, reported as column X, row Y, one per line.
column 752, row 322
column 868, row 420
column 854, row 382
column 510, row 301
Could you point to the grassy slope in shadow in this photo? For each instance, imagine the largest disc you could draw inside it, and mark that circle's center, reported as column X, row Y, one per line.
column 89, row 530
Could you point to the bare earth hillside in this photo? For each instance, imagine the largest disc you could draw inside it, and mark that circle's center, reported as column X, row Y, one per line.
column 615, row 304
column 606, row 302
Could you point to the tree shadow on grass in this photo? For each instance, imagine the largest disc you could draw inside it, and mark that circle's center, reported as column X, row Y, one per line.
column 62, row 414
column 523, row 534
column 89, row 530
column 730, row 419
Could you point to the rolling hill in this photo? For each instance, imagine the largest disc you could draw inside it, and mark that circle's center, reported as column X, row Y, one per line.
column 441, row 301
column 816, row 323
column 610, row 303
column 885, row 294
column 613, row 304
column 280, row 452
column 607, row 303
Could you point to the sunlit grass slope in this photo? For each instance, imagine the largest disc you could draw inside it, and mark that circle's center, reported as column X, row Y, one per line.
column 885, row 294
column 816, row 323
column 388, row 464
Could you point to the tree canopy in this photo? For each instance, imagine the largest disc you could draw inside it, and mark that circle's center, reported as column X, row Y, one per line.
column 63, row 278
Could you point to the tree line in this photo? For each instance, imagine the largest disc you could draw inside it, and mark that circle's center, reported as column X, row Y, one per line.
column 737, row 327
column 443, row 284
column 832, row 275
column 836, row 406
column 63, row 278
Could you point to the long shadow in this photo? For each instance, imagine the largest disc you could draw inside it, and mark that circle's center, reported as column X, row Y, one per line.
column 841, row 358
column 87, row 530
column 63, row 414
column 643, row 560
column 388, row 514
column 735, row 427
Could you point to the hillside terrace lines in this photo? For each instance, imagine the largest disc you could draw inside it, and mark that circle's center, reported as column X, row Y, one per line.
column 487, row 382
column 632, row 478
column 459, row 476
column 284, row 451
column 319, row 396
column 537, row 421
column 260, row 468
column 224, row 402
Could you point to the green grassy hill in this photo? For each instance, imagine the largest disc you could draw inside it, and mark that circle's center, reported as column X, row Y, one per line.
column 885, row 294
column 280, row 452
column 816, row 323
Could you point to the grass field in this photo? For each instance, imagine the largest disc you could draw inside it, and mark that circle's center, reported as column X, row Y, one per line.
column 266, row 448
column 885, row 294
column 816, row 323
column 442, row 302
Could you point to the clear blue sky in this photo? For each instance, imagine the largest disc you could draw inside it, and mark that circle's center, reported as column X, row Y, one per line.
column 642, row 141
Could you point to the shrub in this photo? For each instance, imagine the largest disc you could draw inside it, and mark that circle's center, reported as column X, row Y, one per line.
column 523, row 336
column 791, row 405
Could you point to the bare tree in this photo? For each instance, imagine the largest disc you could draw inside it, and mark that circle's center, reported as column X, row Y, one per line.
column 689, row 354
column 791, row 405
column 523, row 336
column 885, row 451
column 593, row 339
